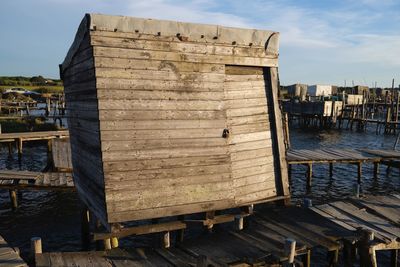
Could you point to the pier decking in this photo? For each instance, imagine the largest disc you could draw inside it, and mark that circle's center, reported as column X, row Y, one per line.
column 335, row 226
column 35, row 180
column 309, row 157
column 9, row 257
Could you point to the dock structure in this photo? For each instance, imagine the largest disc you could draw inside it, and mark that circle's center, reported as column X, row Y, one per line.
column 9, row 257
column 308, row 157
column 19, row 138
column 57, row 175
column 366, row 225
column 330, row 156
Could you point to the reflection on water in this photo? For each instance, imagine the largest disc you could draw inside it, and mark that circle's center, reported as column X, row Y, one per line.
column 55, row 216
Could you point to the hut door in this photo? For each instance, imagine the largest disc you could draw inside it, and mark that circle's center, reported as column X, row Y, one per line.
column 250, row 144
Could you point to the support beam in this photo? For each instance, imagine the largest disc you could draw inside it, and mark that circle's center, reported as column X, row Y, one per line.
column 306, row 258
column 166, row 240
column 359, row 172
column 333, row 258
column 107, row 244
column 290, row 251
column 13, row 198
column 309, row 175
column 376, row 169
column 394, row 258
column 114, row 242
column 36, row 246
column 19, row 144
column 85, row 229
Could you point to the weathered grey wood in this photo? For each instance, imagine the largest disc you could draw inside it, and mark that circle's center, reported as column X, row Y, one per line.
column 8, row 256
column 166, row 124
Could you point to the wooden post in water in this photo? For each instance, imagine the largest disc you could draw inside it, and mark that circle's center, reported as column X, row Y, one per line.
column 330, row 169
column 36, row 246
column 290, row 251
column 307, row 259
column 309, row 175
column 10, row 149
column 359, row 172
column 13, row 198
column 366, row 251
column 166, row 240
column 181, row 233
column 114, row 242
column 333, row 257
column 376, row 169
column 85, row 229
column 210, row 216
column 394, row 254
column 107, row 244
column 19, row 145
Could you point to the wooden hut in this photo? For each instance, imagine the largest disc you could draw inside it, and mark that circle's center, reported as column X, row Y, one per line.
column 170, row 118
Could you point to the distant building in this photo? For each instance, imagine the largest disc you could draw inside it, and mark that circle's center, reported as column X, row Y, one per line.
column 298, row 89
column 319, row 90
column 360, row 89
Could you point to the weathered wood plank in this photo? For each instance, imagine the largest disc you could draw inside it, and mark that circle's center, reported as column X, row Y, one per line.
column 177, row 56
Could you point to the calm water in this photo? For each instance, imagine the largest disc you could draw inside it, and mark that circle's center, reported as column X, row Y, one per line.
column 55, row 216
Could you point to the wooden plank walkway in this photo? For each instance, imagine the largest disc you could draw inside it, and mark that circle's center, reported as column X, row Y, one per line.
column 383, row 153
column 328, row 155
column 29, row 136
column 15, row 180
column 334, row 226
column 8, row 256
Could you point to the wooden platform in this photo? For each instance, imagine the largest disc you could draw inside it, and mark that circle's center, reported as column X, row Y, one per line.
column 29, row 136
column 309, row 157
column 327, row 155
column 383, row 153
column 8, row 256
column 35, row 180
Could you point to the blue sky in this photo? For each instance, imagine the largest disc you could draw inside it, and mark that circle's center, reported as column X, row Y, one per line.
column 324, row 42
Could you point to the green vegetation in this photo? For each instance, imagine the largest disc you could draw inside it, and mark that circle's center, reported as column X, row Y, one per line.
column 36, row 83
column 26, row 125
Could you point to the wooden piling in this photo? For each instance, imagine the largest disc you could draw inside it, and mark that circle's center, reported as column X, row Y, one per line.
column 13, row 199
column 19, row 145
column 209, row 216
column 107, row 244
column 239, row 222
column 394, row 254
column 366, row 251
column 10, row 149
column 181, row 233
column 166, row 240
column 306, row 259
column 85, row 229
column 309, row 175
column 36, row 246
column 290, row 251
column 333, row 257
column 330, row 169
column 359, row 172
column 114, row 242
column 376, row 169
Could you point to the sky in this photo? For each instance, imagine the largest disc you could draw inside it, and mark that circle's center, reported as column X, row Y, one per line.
column 322, row 42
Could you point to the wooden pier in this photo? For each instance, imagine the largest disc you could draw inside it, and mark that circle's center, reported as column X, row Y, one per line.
column 19, row 138
column 9, row 257
column 342, row 225
column 57, row 175
column 330, row 156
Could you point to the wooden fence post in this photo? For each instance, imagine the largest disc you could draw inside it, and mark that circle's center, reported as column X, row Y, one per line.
column 290, row 251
